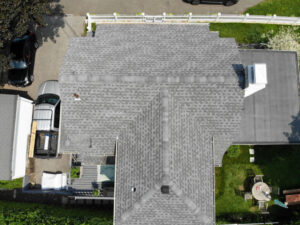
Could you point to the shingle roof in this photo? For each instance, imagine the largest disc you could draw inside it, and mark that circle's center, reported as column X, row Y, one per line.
column 170, row 94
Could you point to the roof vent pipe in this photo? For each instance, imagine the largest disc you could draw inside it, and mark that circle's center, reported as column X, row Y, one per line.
column 256, row 78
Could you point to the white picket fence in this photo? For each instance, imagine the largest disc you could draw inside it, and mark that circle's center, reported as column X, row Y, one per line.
column 189, row 18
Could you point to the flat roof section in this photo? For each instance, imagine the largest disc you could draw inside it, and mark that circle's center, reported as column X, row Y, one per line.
column 271, row 115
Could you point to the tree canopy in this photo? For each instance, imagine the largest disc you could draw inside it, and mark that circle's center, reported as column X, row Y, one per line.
column 16, row 17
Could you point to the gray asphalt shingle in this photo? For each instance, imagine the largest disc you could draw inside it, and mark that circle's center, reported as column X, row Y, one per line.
column 170, row 94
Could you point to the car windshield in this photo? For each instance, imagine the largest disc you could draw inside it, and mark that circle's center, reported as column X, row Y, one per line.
column 18, row 64
column 47, row 99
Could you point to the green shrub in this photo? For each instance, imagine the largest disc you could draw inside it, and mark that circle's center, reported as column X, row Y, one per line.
column 32, row 213
column 94, row 26
column 85, row 30
column 75, row 172
column 96, row 193
column 234, row 151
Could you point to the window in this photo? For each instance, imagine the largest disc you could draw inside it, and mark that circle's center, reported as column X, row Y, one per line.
column 56, row 115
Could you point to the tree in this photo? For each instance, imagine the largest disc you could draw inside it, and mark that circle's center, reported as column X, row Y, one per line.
column 16, row 17
column 286, row 39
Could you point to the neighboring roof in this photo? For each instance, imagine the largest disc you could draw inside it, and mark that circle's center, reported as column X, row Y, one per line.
column 271, row 115
column 8, row 105
column 170, row 94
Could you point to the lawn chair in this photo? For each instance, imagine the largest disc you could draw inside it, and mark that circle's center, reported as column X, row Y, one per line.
column 247, row 196
column 252, row 159
column 258, row 178
column 251, row 151
column 263, row 206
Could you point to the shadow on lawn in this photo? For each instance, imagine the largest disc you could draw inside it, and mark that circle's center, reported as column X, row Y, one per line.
column 243, row 218
column 280, row 165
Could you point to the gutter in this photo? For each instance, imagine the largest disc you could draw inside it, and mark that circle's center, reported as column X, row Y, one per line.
column 115, row 181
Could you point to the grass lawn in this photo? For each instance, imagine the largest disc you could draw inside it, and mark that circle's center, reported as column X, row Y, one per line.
column 246, row 33
column 280, row 167
column 11, row 184
column 30, row 213
column 278, row 7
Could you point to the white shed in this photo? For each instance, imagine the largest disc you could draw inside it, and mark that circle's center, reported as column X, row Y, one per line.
column 15, row 128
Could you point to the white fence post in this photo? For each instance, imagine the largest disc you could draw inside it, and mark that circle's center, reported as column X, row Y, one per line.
column 247, row 15
column 143, row 15
column 190, row 16
column 164, row 16
column 218, row 16
column 115, row 15
column 273, row 17
column 89, row 22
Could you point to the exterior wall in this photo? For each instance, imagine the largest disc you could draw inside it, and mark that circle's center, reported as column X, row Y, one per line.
column 23, row 122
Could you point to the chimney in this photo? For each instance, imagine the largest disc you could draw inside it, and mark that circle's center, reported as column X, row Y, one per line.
column 256, row 78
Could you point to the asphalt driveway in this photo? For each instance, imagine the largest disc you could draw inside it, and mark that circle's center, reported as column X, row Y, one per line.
column 81, row 7
column 53, row 41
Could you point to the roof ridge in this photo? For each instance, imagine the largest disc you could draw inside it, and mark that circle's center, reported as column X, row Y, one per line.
column 141, row 202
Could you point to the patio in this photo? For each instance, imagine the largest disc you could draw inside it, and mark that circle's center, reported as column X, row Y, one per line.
column 36, row 166
column 235, row 180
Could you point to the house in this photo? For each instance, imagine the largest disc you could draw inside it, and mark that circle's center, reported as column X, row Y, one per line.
column 166, row 101
column 16, row 118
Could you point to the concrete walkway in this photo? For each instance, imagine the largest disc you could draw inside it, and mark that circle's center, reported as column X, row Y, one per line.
column 81, row 7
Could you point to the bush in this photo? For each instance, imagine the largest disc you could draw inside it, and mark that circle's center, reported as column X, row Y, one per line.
column 75, row 172
column 94, row 26
column 287, row 38
column 234, row 151
column 96, row 193
column 32, row 213
column 85, row 30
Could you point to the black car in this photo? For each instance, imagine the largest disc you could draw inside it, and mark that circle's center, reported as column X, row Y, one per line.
column 224, row 2
column 23, row 50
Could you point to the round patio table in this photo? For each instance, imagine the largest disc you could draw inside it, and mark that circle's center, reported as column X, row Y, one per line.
column 261, row 191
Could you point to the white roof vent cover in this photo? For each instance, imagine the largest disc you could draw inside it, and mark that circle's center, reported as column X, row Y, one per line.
column 256, row 78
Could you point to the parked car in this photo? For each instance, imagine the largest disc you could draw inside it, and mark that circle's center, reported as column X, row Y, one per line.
column 47, row 116
column 22, row 64
column 224, row 2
